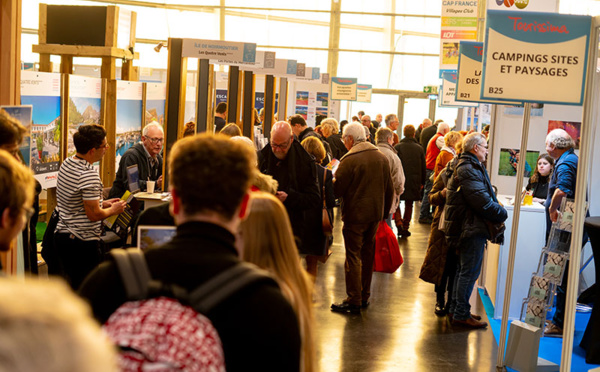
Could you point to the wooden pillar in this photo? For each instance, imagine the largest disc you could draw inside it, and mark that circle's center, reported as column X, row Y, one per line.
column 66, row 64
column 283, row 95
column 175, row 110
column 269, row 105
column 110, row 124
column 108, row 69
column 233, row 94
column 204, row 110
column 248, row 107
column 10, row 57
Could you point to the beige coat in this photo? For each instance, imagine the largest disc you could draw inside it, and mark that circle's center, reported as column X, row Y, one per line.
column 363, row 181
column 397, row 172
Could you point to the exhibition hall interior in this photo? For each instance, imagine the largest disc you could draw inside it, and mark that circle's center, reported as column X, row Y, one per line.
column 299, row 186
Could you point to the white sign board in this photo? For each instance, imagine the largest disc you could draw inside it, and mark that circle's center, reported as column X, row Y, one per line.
column 364, row 92
column 448, row 98
column 535, row 57
column 226, row 51
column 343, row 88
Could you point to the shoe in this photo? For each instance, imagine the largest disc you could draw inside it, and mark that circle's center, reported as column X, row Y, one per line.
column 552, row 330
column 439, row 309
column 476, row 317
column 364, row 304
column 469, row 323
column 345, row 308
column 406, row 234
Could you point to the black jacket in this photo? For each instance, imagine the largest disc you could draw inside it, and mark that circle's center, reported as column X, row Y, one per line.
column 413, row 163
column 301, row 184
column 257, row 326
column 338, row 149
column 426, row 135
column 309, row 132
column 470, row 200
column 314, row 241
column 135, row 155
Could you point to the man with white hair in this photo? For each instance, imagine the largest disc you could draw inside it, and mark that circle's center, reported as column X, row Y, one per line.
column 392, row 122
column 294, row 169
column 560, row 146
column 433, row 150
column 363, row 181
column 146, row 155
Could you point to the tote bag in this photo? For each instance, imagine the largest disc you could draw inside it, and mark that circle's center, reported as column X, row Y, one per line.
column 387, row 252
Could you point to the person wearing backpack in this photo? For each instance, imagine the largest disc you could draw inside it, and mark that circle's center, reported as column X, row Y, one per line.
column 209, row 178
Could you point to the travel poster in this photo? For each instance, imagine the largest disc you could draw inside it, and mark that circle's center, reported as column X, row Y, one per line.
column 156, row 100
column 509, row 160
column 459, row 22
column 302, row 98
column 42, row 91
column 129, row 117
column 571, row 127
column 85, row 96
column 23, row 115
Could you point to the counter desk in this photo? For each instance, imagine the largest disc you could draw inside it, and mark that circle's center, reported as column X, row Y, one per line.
column 530, row 242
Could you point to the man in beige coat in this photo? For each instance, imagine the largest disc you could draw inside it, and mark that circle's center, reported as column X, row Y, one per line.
column 384, row 139
column 363, row 181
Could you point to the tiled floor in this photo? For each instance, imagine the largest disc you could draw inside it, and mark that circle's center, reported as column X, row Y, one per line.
column 399, row 331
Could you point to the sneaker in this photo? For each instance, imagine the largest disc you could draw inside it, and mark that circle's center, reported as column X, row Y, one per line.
column 552, row 330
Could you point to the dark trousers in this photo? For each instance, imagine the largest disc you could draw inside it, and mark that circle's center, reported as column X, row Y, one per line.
column 467, row 272
column 77, row 257
column 359, row 240
column 447, row 283
column 404, row 222
column 425, row 206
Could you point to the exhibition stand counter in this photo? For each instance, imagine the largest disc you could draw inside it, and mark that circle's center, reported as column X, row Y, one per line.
column 530, row 242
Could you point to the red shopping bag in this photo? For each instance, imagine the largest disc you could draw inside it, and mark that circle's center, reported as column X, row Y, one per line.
column 387, row 252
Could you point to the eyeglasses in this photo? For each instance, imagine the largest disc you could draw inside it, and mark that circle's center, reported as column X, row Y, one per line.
column 155, row 140
column 280, row 146
column 105, row 146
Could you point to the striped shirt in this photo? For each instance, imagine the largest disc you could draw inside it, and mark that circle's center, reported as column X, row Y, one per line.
column 77, row 181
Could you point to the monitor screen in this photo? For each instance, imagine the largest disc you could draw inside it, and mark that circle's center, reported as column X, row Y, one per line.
column 154, row 236
column 133, row 177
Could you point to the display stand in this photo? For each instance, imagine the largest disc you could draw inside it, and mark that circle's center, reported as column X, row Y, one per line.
column 104, row 41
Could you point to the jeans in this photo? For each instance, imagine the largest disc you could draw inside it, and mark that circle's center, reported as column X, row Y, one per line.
column 467, row 272
column 425, row 206
column 77, row 257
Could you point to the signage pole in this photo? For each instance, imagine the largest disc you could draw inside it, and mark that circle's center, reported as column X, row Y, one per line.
column 580, row 203
column 513, row 236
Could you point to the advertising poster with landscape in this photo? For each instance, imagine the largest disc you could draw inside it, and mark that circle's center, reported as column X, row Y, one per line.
column 23, row 115
column 42, row 91
column 85, row 99
column 129, row 116
column 156, row 100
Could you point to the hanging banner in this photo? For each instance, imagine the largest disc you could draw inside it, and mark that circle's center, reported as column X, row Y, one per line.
column 549, row 6
column 129, row 117
column 310, row 74
column 156, row 100
column 470, row 65
column 448, row 98
column 42, row 91
column 225, row 51
column 459, row 22
column 263, row 61
column 535, row 57
column 85, row 99
column 364, row 92
column 343, row 88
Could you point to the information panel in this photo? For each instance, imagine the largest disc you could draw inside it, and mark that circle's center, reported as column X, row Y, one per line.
column 225, row 51
column 344, row 88
column 364, row 92
column 448, row 98
column 535, row 57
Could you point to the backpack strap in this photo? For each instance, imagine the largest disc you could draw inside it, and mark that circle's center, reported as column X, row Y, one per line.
column 134, row 272
column 213, row 292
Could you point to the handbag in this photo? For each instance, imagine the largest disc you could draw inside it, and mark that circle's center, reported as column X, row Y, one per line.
column 327, row 225
column 496, row 231
column 387, row 251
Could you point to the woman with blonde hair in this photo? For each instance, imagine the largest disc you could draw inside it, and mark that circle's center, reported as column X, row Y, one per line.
column 451, row 139
column 315, row 245
column 268, row 242
column 330, row 130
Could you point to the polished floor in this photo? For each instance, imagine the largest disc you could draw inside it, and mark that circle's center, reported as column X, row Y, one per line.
column 399, row 331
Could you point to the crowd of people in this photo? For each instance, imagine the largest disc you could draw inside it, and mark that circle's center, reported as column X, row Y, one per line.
column 231, row 203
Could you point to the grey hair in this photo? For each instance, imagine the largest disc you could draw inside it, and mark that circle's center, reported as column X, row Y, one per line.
column 473, row 139
column 442, row 127
column 389, row 118
column 331, row 122
column 560, row 139
column 356, row 130
column 153, row 124
column 383, row 135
